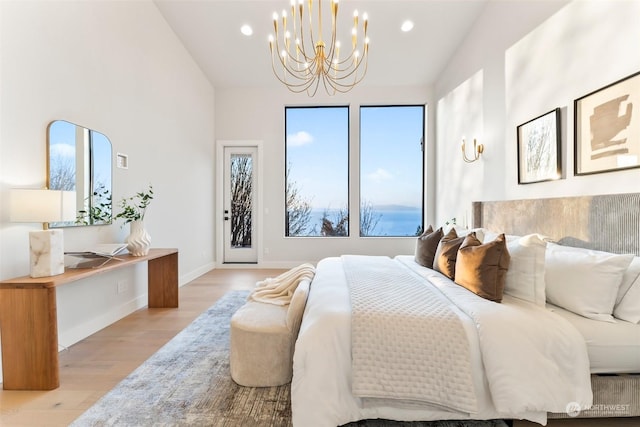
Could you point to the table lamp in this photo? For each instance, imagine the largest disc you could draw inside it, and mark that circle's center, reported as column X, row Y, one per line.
column 47, row 246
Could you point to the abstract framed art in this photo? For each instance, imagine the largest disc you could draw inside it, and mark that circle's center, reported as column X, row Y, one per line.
column 539, row 149
column 607, row 128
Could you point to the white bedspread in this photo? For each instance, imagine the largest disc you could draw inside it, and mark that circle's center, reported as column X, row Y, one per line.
column 391, row 361
column 525, row 360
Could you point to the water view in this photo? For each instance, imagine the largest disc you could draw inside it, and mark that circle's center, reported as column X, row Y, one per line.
column 391, row 221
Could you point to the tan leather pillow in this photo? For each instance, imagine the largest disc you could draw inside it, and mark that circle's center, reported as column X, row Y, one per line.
column 482, row 268
column 426, row 246
column 444, row 260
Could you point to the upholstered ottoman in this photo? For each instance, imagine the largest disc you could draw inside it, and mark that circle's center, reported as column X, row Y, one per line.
column 263, row 338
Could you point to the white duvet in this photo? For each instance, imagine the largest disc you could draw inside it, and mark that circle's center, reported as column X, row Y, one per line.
column 526, row 361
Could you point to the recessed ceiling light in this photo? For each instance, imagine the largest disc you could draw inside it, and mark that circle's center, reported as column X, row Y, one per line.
column 407, row 26
column 246, row 30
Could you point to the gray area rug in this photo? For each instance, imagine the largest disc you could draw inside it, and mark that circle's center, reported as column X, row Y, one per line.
column 187, row 383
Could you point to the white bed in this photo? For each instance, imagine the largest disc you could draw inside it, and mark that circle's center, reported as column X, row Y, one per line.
column 322, row 379
column 613, row 348
column 528, row 377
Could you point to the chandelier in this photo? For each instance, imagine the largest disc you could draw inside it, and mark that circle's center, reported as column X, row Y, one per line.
column 301, row 59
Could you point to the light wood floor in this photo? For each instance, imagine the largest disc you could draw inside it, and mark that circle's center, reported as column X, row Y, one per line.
column 96, row 364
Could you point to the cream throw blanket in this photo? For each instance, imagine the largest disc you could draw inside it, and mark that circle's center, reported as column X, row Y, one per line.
column 408, row 345
column 279, row 290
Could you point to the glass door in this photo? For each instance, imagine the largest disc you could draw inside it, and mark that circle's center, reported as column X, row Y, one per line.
column 239, row 209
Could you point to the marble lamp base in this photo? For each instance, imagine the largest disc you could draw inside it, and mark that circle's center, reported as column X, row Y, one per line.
column 47, row 253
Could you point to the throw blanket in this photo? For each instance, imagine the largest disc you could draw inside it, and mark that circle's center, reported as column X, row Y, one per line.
column 279, row 290
column 408, row 344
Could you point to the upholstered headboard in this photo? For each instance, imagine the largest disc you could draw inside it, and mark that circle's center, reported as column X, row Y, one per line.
column 605, row 222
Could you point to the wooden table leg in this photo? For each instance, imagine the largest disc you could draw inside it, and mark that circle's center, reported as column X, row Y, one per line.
column 29, row 327
column 163, row 281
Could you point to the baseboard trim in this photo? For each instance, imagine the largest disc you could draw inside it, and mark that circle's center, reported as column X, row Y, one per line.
column 78, row 333
column 194, row 274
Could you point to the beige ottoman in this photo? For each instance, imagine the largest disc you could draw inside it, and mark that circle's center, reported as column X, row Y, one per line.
column 263, row 338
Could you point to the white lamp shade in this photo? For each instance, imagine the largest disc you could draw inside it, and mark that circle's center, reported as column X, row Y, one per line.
column 69, row 210
column 31, row 205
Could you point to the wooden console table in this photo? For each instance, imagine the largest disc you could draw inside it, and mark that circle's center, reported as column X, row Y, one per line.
column 29, row 324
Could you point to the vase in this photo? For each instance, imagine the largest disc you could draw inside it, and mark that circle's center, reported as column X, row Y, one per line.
column 138, row 241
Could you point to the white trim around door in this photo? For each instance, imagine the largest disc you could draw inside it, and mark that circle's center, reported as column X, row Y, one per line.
column 219, row 214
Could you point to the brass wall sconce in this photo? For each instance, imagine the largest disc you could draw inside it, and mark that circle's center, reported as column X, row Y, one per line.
column 477, row 150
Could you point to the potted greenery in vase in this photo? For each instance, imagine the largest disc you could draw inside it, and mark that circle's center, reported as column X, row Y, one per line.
column 133, row 210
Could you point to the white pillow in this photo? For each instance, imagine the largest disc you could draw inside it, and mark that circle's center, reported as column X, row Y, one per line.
column 525, row 276
column 629, row 278
column 462, row 232
column 628, row 303
column 584, row 281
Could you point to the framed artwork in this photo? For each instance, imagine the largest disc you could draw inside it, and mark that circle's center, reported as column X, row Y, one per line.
column 607, row 128
column 539, row 149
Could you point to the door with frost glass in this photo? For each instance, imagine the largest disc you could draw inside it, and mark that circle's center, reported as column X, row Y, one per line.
column 240, row 205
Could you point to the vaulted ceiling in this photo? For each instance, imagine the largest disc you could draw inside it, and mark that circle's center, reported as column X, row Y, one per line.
column 210, row 31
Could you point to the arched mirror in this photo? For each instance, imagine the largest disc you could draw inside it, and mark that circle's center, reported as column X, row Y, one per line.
column 79, row 159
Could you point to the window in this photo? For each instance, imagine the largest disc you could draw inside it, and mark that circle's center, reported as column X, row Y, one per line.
column 391, row 170
column 317, row 171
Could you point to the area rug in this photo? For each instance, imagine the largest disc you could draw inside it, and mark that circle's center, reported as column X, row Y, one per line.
column 187, row 383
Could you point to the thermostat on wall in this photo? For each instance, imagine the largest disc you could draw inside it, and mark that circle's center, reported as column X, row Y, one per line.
column 122, row 161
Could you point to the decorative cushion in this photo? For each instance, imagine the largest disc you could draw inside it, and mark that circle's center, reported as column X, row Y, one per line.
column 628, row 303
column 446, row 253
column 584, row 281
column 426, row 246
column 482, row 268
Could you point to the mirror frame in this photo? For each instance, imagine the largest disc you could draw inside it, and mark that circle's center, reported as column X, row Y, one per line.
column 94, row 205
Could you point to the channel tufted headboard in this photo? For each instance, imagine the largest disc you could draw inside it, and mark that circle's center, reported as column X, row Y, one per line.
column 608, row 222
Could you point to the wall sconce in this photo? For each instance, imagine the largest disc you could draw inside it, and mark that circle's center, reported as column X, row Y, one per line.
column 477, row 150
column 46, row 247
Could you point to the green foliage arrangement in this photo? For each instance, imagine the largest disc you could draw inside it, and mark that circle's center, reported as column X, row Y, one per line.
column 135, row 207
column 97, row 209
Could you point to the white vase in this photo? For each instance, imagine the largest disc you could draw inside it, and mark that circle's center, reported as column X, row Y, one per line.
column 138, row 241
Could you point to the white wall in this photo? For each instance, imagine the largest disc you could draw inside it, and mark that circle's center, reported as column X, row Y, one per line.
column 471, row 94
column 258, row 114
column 582, row 48
column 115, row 67
column 523, row 59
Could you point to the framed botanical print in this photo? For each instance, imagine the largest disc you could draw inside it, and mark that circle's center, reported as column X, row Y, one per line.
column 607, row 128
column 539, row 149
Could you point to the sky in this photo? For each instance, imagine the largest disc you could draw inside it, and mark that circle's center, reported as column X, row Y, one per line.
column 391, row 157
column 63, row 146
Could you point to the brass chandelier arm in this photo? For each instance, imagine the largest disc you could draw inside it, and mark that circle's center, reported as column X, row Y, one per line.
column 295, row 87
column 302, row 68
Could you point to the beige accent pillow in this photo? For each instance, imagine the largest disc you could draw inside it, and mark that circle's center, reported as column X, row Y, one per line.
column 482, row 268
column 426, row 246
column 444, row 260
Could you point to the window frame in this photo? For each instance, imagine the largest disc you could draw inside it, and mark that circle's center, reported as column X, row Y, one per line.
column 423, row 159
column 347, row 107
